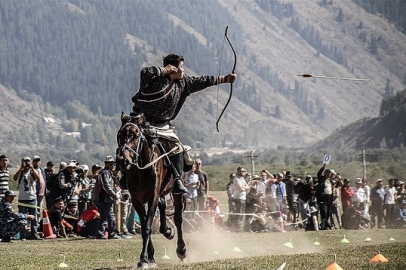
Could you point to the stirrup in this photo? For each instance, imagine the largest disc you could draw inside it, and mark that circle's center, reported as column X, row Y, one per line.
column 178, row 187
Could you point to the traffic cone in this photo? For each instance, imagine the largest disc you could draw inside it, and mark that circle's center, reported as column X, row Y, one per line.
column 46, row 226
column 379, row 258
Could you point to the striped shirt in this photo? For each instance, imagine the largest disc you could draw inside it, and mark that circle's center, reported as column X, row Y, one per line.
column 4, row 178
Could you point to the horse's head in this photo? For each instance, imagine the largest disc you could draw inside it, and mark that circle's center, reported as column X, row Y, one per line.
column 129, row 140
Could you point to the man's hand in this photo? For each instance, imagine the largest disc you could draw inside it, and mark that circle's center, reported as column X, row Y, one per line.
column 171, row 69
column 230, row 78
column 31, row 217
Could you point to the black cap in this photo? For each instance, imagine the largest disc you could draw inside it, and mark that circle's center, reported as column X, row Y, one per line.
column 3, row 156
column 96, row 167
column 59, row 199
column 9, row 193
column 50, row 163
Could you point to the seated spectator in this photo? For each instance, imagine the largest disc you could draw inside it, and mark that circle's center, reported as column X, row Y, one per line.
column 11, row 222
column 312, row 223
column 87, row 223
column 56, row 218
column 353, row 219
column 399, row 218
column 71, row 217
column 258, row 221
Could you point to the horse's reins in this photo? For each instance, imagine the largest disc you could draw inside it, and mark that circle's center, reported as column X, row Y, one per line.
column 139, row 145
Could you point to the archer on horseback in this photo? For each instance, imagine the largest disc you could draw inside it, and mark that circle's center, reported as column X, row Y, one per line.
column 162, row 93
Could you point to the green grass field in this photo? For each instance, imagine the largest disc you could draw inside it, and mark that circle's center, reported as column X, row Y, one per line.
column 214, row 249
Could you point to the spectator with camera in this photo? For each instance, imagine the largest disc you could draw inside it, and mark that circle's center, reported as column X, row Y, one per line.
column 27, row 179
column 4, row 174
column 67, row 182
column 86, row 188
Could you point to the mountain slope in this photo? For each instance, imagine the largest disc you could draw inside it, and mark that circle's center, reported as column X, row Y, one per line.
column 86, row 55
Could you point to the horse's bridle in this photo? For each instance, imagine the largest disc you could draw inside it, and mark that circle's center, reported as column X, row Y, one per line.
column 140, row 140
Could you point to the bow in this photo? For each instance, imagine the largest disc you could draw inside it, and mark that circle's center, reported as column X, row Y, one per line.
column 231, row 85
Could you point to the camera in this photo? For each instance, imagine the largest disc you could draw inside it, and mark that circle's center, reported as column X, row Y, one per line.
column 27, row 164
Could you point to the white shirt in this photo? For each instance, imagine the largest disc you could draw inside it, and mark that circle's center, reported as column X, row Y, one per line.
column 390, row 195
column 359, row 195
column 261, row 187
column 240, row 187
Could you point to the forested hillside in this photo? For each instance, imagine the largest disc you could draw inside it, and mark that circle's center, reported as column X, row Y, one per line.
column 77, row 62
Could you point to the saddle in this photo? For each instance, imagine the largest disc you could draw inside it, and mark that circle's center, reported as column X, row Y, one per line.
column 166, row 135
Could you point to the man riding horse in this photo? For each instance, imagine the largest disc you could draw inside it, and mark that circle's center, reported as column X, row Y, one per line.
column 162, row 93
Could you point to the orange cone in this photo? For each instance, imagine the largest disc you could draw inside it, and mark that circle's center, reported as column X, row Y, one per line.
column 46, row 226
column 379, row 258
column 334, row 266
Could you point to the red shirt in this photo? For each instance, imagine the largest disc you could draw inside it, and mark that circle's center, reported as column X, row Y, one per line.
column 87, row 216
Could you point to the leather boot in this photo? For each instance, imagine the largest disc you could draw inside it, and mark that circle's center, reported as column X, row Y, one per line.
column 178, row 187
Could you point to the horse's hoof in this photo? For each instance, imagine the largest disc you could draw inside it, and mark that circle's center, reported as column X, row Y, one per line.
column 169, row 233
column 142, row 265
column 181, row 252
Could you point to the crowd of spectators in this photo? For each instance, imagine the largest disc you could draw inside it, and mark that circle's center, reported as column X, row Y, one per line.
column 80, row 201
column 260, row 203
column 94, row 202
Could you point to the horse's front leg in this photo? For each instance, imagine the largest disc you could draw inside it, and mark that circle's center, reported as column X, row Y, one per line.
column 164, row 229
column 146, row 221
column 179, row 204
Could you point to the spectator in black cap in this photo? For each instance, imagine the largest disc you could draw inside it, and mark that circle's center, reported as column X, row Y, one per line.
column 10, row 221
column 4, row 174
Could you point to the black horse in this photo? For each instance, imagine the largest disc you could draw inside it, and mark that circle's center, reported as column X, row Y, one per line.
column 149, row 179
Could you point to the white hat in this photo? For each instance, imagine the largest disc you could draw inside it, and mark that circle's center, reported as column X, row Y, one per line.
column 71, row 165
column 332, row 171
column 84, row 167
column 358, row 181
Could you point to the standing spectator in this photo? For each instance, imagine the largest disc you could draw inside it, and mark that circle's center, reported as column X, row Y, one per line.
column 27, row 186
column 279, row 192
column 4, row 175
column 95, row 174
column 10, row 222
column 192, row 184
column 261, row 186
column 125, row 208
column 377, row 202
column 230, row 195
column 290, row 196
column 346, row 194
column 324, row 192
column 358, row 198
column 367, row 195
column 203, row 187
column 85, row 194
column 103, row 198
column 66, row 182
column 240, row 192
column 304, row 196
column 335, row 207
column 50, row 176
column 390, row 203
column 41, row 184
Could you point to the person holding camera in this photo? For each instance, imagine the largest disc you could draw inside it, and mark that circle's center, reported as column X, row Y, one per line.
column 27, row 179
